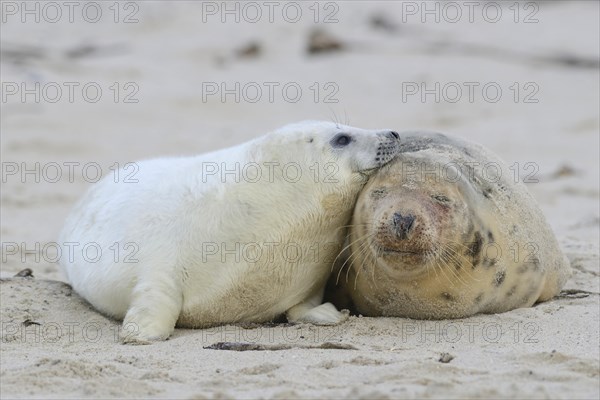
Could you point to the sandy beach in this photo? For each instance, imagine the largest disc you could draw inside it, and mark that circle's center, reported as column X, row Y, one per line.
column 90, row 89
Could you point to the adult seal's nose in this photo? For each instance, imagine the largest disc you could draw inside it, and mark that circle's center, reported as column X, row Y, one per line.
column 403, row 224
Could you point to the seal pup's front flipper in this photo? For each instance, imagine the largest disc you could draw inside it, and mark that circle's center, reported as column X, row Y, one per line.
column 313, row 312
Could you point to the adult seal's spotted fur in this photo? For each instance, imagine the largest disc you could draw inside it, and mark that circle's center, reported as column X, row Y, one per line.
column 446, row 231
column 239, row 235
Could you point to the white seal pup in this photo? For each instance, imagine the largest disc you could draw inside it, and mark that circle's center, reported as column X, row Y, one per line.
column 446, row 231
column 238, row 235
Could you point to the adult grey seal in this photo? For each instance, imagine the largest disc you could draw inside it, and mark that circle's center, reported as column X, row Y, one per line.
column 445, row 231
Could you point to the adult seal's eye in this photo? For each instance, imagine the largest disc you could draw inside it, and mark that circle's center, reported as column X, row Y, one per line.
column 379, row 193
column 341, row 140
column 441, row 198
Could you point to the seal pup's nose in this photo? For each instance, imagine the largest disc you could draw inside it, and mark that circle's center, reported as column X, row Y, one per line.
column 393, row 135
column 403, row 224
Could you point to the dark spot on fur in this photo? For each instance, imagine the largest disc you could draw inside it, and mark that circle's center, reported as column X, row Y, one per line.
column 474, row 249
column 447, row 296
column 478, row 298
column 513, row 230
column 499, row 278
column 511, row 291
column 491, row 237
column 470, row 229
column 487, row 193
column 489, row 262
column 310, row 140
column 522, row 269
column 535, row 263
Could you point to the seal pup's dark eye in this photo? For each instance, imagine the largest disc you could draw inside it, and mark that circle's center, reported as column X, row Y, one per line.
column 341, row 140
column 441, row 198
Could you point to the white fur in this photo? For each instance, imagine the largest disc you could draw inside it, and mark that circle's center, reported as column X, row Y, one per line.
column 175, row 211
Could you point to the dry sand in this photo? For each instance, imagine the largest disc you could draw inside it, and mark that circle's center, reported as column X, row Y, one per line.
column 54, row 345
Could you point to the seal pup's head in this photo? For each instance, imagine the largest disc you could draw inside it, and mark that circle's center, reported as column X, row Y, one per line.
column 337, row 147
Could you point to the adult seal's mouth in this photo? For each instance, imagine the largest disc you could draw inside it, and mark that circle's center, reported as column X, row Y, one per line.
column 396, row 252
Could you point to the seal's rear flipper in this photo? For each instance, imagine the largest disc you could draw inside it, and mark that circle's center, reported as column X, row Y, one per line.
column 154, row 310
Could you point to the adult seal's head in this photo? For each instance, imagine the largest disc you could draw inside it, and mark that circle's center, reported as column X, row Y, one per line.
column 443, row 231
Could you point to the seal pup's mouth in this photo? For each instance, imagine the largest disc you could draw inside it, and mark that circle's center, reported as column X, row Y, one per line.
column 385, row 154
column 370, row 151
column 387, row 149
